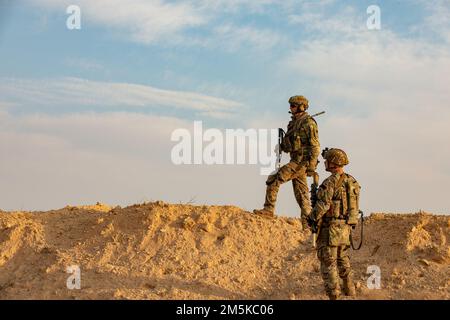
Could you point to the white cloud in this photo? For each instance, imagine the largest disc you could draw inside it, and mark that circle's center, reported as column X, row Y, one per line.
column 235, row 6
column 94, row 94
column 84, row 64
column 261, row 6
column 232, row 37
column 145, row 21
column 437, row 21
column 376, row 62
column 346, row 22
column 164, row 22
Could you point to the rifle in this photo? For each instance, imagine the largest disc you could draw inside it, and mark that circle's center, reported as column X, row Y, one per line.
column 315, row 227
column 317, row 114
column 281, row 135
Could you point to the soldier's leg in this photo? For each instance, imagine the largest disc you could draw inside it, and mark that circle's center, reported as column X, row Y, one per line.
column 328, row 263
column 345, row 271
column 286, row 173
column 328, row 267
column 323, row 270
column 301, row 192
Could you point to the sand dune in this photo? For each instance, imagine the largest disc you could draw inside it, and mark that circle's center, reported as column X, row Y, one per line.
column 162, row 251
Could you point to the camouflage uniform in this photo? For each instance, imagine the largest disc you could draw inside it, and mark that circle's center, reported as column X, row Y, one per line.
column 333, row 241
column 302, row 142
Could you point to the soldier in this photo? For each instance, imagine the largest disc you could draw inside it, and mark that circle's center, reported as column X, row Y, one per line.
column 335, row 212
column 302, row 142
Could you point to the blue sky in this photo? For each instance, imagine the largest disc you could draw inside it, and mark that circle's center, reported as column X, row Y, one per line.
column 37, row 44
column 235, row 63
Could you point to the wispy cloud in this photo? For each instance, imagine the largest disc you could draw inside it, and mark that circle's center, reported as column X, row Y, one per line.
column 95, row 94
column 319, row 23
column 144, row 21
column 235, row 6
column 403, row 72
column 437, row 21
column 232, row 37
column 167, row 22
column 84, row 64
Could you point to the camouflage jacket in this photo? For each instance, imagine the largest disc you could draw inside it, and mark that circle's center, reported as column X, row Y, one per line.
column 302, row 139
column 332, row 199
column 334, row 207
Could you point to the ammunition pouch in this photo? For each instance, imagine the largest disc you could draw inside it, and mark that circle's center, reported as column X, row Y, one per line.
column 335, row 211
column 352, row 218
column 339, row 233
column 297, row 158
column 292, row 143
column 286, row 145
column 296, row 143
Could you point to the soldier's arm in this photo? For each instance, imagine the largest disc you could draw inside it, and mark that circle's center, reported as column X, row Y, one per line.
column 324, row 199
column 313, row 134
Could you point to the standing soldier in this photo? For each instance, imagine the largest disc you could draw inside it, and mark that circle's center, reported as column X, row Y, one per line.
column 302, row 142
column 336, row 210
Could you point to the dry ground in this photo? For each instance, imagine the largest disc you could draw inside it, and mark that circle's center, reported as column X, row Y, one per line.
column 162, row 251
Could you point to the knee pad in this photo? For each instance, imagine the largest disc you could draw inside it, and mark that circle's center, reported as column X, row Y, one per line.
column 271, row 179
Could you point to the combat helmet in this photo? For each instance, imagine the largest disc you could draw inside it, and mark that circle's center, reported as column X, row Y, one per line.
column 300, row 101
column 335, row 156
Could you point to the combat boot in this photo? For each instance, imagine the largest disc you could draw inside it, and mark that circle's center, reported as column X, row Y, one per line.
column 349, row 287
column 333, row 294
column 264, row 213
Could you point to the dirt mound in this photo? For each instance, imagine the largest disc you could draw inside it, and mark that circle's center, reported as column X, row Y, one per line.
column 162, row 251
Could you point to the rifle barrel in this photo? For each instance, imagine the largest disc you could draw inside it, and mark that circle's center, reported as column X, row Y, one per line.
column 317, row 114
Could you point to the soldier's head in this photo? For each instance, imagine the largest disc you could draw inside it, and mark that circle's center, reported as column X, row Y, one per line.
column 335, row 159
column 298, row 104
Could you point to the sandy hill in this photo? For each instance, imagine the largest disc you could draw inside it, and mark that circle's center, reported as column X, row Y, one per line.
column 162, row 251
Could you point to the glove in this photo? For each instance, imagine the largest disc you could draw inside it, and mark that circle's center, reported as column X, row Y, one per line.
column 277, row 149
column 312, row 166
column 310, row 222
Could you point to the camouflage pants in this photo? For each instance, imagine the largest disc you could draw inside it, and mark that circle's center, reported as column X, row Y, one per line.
column 296, row 173
column 334, row 264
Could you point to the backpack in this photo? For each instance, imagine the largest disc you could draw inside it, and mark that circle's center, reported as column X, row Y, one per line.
column 352, row 190
column 345, row 202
